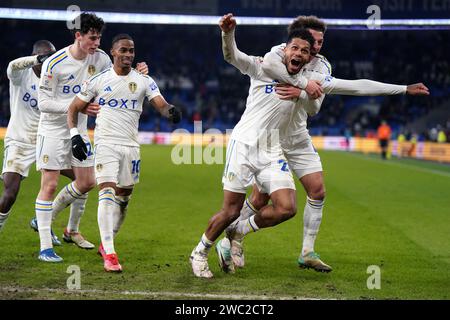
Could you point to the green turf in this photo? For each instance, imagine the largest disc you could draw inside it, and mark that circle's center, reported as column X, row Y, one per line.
column 394, row 214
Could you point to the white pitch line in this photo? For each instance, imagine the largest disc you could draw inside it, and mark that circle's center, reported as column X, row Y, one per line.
column 155, row 294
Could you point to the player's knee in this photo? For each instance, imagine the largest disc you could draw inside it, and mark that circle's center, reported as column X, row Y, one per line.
column 231, row 212
column 286, row 210
column 49, row 188
column 317, row 193
column 9, row 196
column 86, row 185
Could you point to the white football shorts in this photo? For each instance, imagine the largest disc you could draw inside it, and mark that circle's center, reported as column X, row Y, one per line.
column 118, row 164
column 56, row 154
column 303, row 159
column 246, row 164
column 18, row 158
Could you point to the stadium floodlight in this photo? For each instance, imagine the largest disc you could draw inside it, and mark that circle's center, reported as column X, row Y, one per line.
column 148, row 18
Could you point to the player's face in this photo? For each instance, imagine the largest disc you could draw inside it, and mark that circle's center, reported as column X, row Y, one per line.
column 123, row 53
column 88, row 42
column 318, row 41
column 296, row 55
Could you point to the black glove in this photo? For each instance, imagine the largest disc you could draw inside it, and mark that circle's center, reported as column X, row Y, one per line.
column 79, row 149
column 174, row 114
column 42, row 57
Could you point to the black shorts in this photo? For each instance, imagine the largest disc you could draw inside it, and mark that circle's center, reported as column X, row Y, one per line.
column 384, row 143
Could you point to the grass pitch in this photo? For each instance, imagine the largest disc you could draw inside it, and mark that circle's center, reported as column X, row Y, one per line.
column 392, row 214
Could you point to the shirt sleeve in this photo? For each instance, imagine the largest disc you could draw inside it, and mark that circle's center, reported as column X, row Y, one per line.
column 248, row 65
column 361, row 87
column 274, row 67
column 16, row 67
column 312, row 107
column 47, row 92
column 152, row 89
column 88, row 90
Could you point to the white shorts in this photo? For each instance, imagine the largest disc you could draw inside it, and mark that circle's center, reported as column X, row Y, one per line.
column 303, row 159
column 118, row 164
column 246, row 164
column 56, row 154
column 18, row 157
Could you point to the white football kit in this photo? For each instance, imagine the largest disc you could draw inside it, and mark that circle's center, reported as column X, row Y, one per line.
column 117, row 156
column 61, row 79
column 297, row 145
column 20, row 138
column 254, row 152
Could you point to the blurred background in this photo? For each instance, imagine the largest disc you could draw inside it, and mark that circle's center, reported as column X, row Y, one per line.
column 187, row 63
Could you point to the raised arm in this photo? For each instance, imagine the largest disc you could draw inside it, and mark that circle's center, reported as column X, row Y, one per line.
column 16, row 66
column 231, row 53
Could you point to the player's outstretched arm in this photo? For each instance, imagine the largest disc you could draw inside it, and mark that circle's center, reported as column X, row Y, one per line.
column 231, row 53
column 167, row 110
column 274, row 67
column 364, row 87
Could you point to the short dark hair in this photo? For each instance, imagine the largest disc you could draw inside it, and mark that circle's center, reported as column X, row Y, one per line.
column 308, row 22
column 302, row 34
column 87, row 22
column 43, row 45
column 121, row 36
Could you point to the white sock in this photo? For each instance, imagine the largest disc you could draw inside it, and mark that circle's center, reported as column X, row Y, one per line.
column 76, row 212
column 119, row 216
column 65, row 197
column 3, row 218
column 204, row 245
column 247, row 211
column 44, row 220
column 312, row 217
column 244, row 227
column 107, row 208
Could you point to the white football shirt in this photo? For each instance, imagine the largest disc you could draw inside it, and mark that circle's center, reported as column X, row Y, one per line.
column 23, row 97
column 61, row 79
column 120, row 99
column 265, row 114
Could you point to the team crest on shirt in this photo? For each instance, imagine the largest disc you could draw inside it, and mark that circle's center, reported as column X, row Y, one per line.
column 91, row 70
column 132, row 86
column 99, row 167
column 45, row 158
